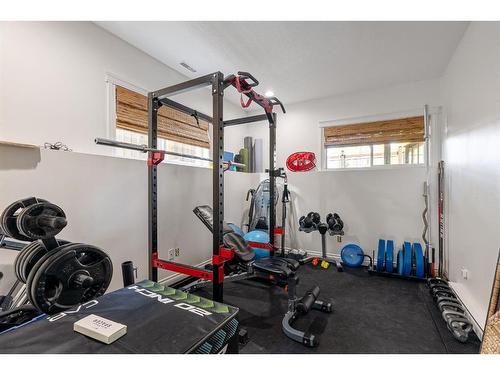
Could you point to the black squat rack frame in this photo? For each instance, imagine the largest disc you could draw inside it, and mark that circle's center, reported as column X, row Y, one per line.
column 244, row 83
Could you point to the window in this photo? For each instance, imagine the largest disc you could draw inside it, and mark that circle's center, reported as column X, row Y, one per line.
column 388, row 142
column 177, row 131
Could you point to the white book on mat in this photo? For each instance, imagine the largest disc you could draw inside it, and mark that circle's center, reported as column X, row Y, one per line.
column 100, row 329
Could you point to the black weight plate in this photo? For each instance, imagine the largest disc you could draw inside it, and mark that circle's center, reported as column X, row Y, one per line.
column 34, row 269
column 20, row 259
column 53, row 287
column 29, row 224
column 9, row 216
column 38, row 250
column 33, row 256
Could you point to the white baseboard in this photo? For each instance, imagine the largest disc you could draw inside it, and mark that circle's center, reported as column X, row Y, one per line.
column 475, row 314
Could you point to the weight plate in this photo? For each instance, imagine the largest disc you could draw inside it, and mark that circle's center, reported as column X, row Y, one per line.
column 400, row 262
column 9, row 217
column 33, row 255
column 389, row 255
column 34, row 269
column 381, row 255
column 419, row 260
column 41, row 220
column 407, row 256
column 75, row 274
column 19, row 260
column 352, row 255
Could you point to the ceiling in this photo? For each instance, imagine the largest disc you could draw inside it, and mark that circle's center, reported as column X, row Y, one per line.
column 300, row 61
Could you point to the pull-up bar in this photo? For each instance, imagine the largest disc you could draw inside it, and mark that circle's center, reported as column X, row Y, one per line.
column 145, row 148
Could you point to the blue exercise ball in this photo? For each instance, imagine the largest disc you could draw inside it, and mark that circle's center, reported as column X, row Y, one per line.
column 352, row 255
column 236, row 229
column 258, row 236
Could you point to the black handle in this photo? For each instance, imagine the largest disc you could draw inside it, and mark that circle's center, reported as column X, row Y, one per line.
column 308, row 300
column 246, row 75
column 274, row 100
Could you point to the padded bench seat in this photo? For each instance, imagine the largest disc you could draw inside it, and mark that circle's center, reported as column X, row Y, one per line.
column 281, row 267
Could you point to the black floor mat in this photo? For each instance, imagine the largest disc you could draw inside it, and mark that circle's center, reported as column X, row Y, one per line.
column 372, row 314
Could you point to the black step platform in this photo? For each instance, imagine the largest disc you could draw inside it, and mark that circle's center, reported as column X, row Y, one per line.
column 159, row 319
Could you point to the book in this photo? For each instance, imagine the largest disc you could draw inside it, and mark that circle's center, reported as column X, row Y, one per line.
column 100, row 329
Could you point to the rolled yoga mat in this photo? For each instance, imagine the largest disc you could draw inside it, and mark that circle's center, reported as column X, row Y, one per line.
column 244, row 159
column 248, row 144
column 258, row 164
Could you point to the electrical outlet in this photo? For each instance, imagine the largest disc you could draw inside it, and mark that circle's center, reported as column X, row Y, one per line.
column 465, row 273
column 171, row 254
column 177, row 252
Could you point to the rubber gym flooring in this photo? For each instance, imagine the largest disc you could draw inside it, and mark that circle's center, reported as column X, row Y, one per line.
column 372, row 314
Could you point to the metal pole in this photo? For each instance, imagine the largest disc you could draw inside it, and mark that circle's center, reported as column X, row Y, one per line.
column 145, row 148
column 427, row 188
column 272, row 180
column 153, row 106
column 218, row 178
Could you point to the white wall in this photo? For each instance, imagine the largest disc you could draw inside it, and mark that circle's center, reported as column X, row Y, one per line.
column 52, row 83
column 378, row 203
column 106, row 203
column 472, row 156
column 52, row 88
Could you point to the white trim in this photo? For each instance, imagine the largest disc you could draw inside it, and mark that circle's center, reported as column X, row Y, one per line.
column 112, row 80
column 472, row 312
column 116, row 80
column 110, row 110
column 375, row 167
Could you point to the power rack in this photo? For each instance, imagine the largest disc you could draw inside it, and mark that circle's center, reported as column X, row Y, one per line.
column 244, row 83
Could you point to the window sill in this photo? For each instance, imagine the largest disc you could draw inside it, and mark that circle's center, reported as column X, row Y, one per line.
column 375, row 168
column 172, row 162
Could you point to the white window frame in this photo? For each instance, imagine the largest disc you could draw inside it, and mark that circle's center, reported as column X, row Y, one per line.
column 112, row 81
column 363, row 119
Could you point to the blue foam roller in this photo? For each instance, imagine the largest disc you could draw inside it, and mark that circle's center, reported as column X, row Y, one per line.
column 389, row 255
column 381, row 255
column 419, row 260
column 407, row 256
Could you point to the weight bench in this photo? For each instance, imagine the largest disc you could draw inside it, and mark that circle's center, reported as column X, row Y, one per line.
column 244, row 255
column 277, row 269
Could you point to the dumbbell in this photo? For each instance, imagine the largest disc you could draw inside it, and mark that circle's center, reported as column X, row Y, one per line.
column 305, row 222
column 334, row 222
column 310, row 221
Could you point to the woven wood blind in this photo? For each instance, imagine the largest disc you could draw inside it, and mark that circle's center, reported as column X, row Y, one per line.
column 132, row 114
column 410, row 129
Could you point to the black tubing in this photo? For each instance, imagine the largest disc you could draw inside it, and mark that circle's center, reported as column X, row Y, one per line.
column 128, row 273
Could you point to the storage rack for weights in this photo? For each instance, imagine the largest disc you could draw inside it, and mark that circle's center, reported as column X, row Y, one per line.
column 158, row 98
column 324, row 255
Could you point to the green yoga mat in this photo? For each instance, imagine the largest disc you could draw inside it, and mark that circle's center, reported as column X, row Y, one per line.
column 244, row 157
